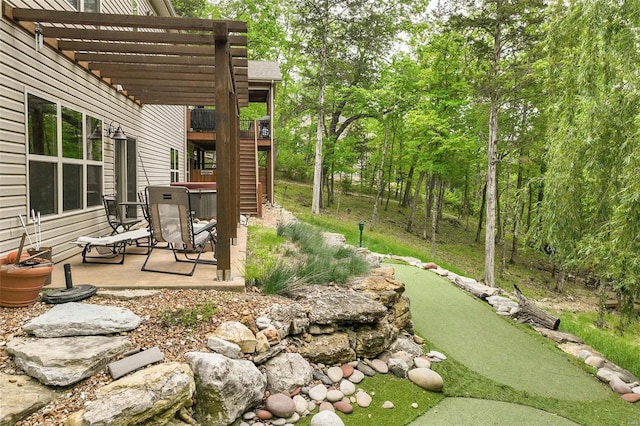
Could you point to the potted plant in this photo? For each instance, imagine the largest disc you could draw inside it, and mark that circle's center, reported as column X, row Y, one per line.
column 22, row 278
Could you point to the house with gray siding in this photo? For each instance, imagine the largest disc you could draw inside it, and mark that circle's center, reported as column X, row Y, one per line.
column 62, row 101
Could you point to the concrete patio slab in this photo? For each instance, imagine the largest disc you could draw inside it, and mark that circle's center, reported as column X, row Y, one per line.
column 129, row 274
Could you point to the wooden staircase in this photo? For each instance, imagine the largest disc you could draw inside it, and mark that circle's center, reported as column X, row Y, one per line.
column 249, row 188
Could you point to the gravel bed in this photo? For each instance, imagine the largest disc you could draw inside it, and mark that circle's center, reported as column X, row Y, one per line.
column 174, row 341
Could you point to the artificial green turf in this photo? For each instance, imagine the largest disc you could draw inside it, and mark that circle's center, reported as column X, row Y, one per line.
column 471, row 333
column 472, row 411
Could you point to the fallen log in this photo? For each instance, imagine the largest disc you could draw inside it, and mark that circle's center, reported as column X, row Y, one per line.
column 532, row 314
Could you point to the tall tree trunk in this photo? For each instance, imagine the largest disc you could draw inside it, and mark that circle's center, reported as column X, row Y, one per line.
column 414, row 203
column 385, row 148
column 482, row 209
column 317, row 165
column 503, row 237
column 519, row 209
column 492, row 160
column 407, row 189
column 434, row 220
column 529, row 208
column 393, row 142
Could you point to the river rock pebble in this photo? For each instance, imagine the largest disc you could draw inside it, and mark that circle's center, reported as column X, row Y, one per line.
column 326, row 406
column 422, row 362
column 388, row 405
column 356, row 377
column 280, row 405
column 427, row 379
column 363, row 399
column 347, row 387
column 326, row 418
column 318, row 393
column 334, row 395
column 347, row 370
column 335, row 374
column 379, row 366
column 344, row 406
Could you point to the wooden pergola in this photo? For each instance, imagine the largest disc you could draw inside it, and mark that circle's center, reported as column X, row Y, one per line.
column 165, row 61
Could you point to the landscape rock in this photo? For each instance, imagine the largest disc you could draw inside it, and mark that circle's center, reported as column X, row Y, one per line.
column 381, row 288
column 373, row 339
column 356, row 377
column 618, row 386
column 344, row 406
column 335, row 374
column 594, row 361
column 363, row 399
column 289, row 319
column 301, row 404
column 631, row 397
column 149, row 396
column 326, row 418
column 406, row 344
column 426, row 378
column 334, row 395
column 238, row 333
column 347, row 387
column 422, row 362
column 82, row 319
column 224, row 347
column 398, row 367
column 379, row 366
column 318, row 393
column 62, row 361
column 21, row 396
column 328, row 349
column 347, row 370
column 226, row 388
column 280, row 405
column 287, row 371
column 388, row 405
column 327, row 305
column 366, row 369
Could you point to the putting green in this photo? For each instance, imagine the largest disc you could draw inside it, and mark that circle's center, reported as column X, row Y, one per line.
column 468, row 330
column 471, row 411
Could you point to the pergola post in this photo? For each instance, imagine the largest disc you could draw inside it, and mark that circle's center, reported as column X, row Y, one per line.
column 235, row 163
column 223, row 161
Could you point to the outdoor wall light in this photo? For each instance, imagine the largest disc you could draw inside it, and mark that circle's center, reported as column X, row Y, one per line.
column 39, row 37
column 112, row 132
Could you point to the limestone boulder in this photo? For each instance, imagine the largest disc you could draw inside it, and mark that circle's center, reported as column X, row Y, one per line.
column 62, row 361
column 406, row 344
column 383, row 289
column 149, row 396
column 21, row 396
column 289, row 319
column 225, row 388
column 328, row 305
column 287, row 371
column 238, row 333
column 328, row 349
column 371, row 340
column 400, row 314
column 82, row 319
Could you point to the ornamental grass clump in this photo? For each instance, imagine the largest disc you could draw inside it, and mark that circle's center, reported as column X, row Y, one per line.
column 308, row 260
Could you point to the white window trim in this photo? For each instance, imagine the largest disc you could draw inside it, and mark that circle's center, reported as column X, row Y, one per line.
column 58, row 159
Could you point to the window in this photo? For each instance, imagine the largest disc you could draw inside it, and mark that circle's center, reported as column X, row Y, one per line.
column 85, row 5
column 65, row 168
column 175, row 166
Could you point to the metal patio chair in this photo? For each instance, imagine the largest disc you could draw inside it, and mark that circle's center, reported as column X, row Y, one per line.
column 172, row 222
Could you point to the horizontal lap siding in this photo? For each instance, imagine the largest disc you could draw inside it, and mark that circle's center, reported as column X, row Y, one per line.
column 50, row 75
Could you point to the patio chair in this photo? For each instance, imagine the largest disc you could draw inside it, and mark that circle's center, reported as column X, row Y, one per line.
column 116, row 222
column 112, row 246
column 172, row 223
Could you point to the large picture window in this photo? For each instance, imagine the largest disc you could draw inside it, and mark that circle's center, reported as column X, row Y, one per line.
column 65, row 166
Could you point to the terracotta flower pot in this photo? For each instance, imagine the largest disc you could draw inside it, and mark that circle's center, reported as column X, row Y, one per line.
column 20, row 286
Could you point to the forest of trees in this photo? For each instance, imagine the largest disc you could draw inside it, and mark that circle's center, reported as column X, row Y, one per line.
column 522, row 115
